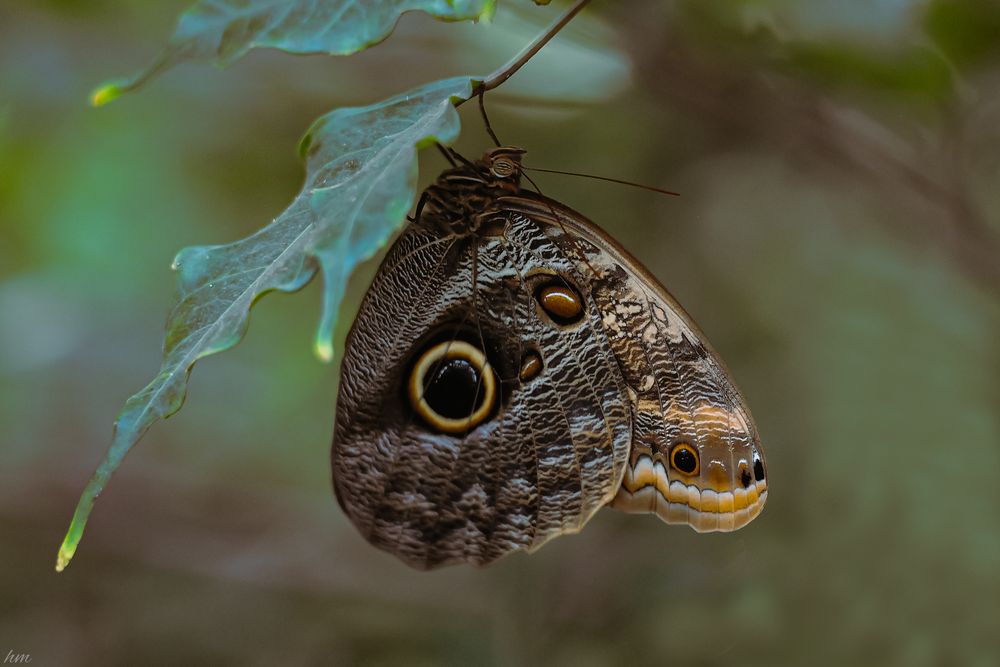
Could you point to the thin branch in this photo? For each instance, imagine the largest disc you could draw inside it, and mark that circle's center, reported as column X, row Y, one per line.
column 508, row 70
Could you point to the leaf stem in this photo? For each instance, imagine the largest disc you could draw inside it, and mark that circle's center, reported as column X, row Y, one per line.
column 508, row 70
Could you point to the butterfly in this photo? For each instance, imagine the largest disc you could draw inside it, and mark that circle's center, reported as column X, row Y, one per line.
column 512, row 370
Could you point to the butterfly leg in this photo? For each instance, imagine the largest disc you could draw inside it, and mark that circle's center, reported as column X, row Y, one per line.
column 446, row 154
column 420, row 208
column 486, row 119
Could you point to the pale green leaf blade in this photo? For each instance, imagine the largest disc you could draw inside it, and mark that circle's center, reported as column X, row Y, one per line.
column 221, row 31
column 360, row 182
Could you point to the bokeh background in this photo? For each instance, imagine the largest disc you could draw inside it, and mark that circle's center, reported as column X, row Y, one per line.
column 838, row 238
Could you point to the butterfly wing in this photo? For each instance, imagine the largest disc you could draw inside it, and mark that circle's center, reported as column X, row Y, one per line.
column 506, row 377
column 696, row 456
column 471, row 421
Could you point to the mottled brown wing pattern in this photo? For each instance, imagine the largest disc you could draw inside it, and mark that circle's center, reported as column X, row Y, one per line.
column 553, row 450
column 512, row 369
column 683, row 401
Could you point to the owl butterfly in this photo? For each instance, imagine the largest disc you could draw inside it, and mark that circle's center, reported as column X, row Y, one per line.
column 512, row 370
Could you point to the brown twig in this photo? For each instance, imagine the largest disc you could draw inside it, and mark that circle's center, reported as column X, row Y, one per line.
column 519, row 61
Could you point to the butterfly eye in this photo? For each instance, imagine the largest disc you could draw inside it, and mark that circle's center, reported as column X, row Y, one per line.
column 561, row 303
column 503, row 167
column 504, row 161
column 684, row 459
column 452, row 386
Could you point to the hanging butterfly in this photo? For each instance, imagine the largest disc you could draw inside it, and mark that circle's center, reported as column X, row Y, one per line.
column 512, row 369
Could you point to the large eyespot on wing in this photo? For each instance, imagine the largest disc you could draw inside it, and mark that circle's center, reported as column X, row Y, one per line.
column 452, row 386
column 470, row 423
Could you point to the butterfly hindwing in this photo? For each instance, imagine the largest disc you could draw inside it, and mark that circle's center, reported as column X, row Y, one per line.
column 551, row 451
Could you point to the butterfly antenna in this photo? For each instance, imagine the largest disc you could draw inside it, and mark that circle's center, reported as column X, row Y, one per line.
column 605, row 178
column 486, row 118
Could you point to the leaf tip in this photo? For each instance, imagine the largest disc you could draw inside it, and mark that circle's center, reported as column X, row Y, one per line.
column 107, row 93
column 324, row 349
column 66, row 552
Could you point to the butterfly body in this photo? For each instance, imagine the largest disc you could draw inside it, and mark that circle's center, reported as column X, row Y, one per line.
column 512, row 369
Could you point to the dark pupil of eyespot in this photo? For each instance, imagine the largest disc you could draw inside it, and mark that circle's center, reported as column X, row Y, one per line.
column 685, row 460
column 453, row 390
column 758, row 470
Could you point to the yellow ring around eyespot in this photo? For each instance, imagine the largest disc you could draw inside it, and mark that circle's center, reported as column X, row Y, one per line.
column 454, row 349
column 683, row 446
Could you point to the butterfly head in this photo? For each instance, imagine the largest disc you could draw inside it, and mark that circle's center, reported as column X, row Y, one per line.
column 462, row 194
column 504, row 162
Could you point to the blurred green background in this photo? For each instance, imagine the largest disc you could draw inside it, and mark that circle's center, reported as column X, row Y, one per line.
column 838, row 238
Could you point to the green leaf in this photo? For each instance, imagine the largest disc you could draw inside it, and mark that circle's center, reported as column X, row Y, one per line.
column 220, row 31
column 361, row 172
